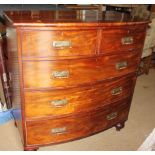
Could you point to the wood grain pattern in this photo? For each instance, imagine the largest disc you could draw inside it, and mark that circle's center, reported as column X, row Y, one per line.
column 112, row 40
column 39, row 43
column 40, row 132
column 39, row 103
column 38, row 74
column 51, row 19
column 94, row 67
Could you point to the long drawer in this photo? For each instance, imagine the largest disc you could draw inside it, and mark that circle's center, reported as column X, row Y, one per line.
column 58, row 43
column 47, row 131
column 118, row 40
column 73, row 100
column 63, row 73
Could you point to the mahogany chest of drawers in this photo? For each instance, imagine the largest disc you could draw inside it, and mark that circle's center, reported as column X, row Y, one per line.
column 70, row 78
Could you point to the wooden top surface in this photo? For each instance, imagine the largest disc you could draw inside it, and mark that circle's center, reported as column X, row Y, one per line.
column 63, row 18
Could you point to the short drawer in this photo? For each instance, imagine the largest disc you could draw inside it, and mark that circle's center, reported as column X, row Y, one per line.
column 64, row 73
column 58, row 130
column 74, row 100
column 58, row 43
column 117, row 40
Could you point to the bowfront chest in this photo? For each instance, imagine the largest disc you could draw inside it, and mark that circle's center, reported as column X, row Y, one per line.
column 70, row 78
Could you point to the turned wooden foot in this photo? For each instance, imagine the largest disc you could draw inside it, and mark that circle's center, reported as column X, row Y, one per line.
column 31, row 148
column 119, row 126
column 15, row 123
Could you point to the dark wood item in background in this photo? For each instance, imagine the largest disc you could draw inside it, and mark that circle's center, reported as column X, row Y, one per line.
column 145, row 65
column 4, row 74
column 70, row 78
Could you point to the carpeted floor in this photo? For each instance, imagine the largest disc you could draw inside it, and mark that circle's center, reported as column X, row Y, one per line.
column 140, row 124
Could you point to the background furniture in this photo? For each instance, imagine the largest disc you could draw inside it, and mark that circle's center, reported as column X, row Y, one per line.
column 2, row 95
column 148, row 49
column 152, row 16
column 152, row 65
column 5, row 94
column 70, row 78
column 83, row 7
column 142, row 11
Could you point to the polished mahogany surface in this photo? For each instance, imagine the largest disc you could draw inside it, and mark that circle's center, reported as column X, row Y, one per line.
column 42, row 103
column 71, row 76
column 40, row 74
column 61, row 18
column 34, row 47
column 75, row 126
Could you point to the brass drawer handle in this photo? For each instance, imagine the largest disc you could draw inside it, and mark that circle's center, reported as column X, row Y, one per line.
column 61, row 130
column 59, row 103
column 127, row 40
column 60, row 74
column 116, row 91
column 62, row 44
column 112, row 116
column 121, row 65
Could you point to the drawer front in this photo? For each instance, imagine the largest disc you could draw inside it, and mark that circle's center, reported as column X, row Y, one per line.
column 69, row 128
column 114, row 41
column 69, row 101
column 58, row 43
column 63, row 73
